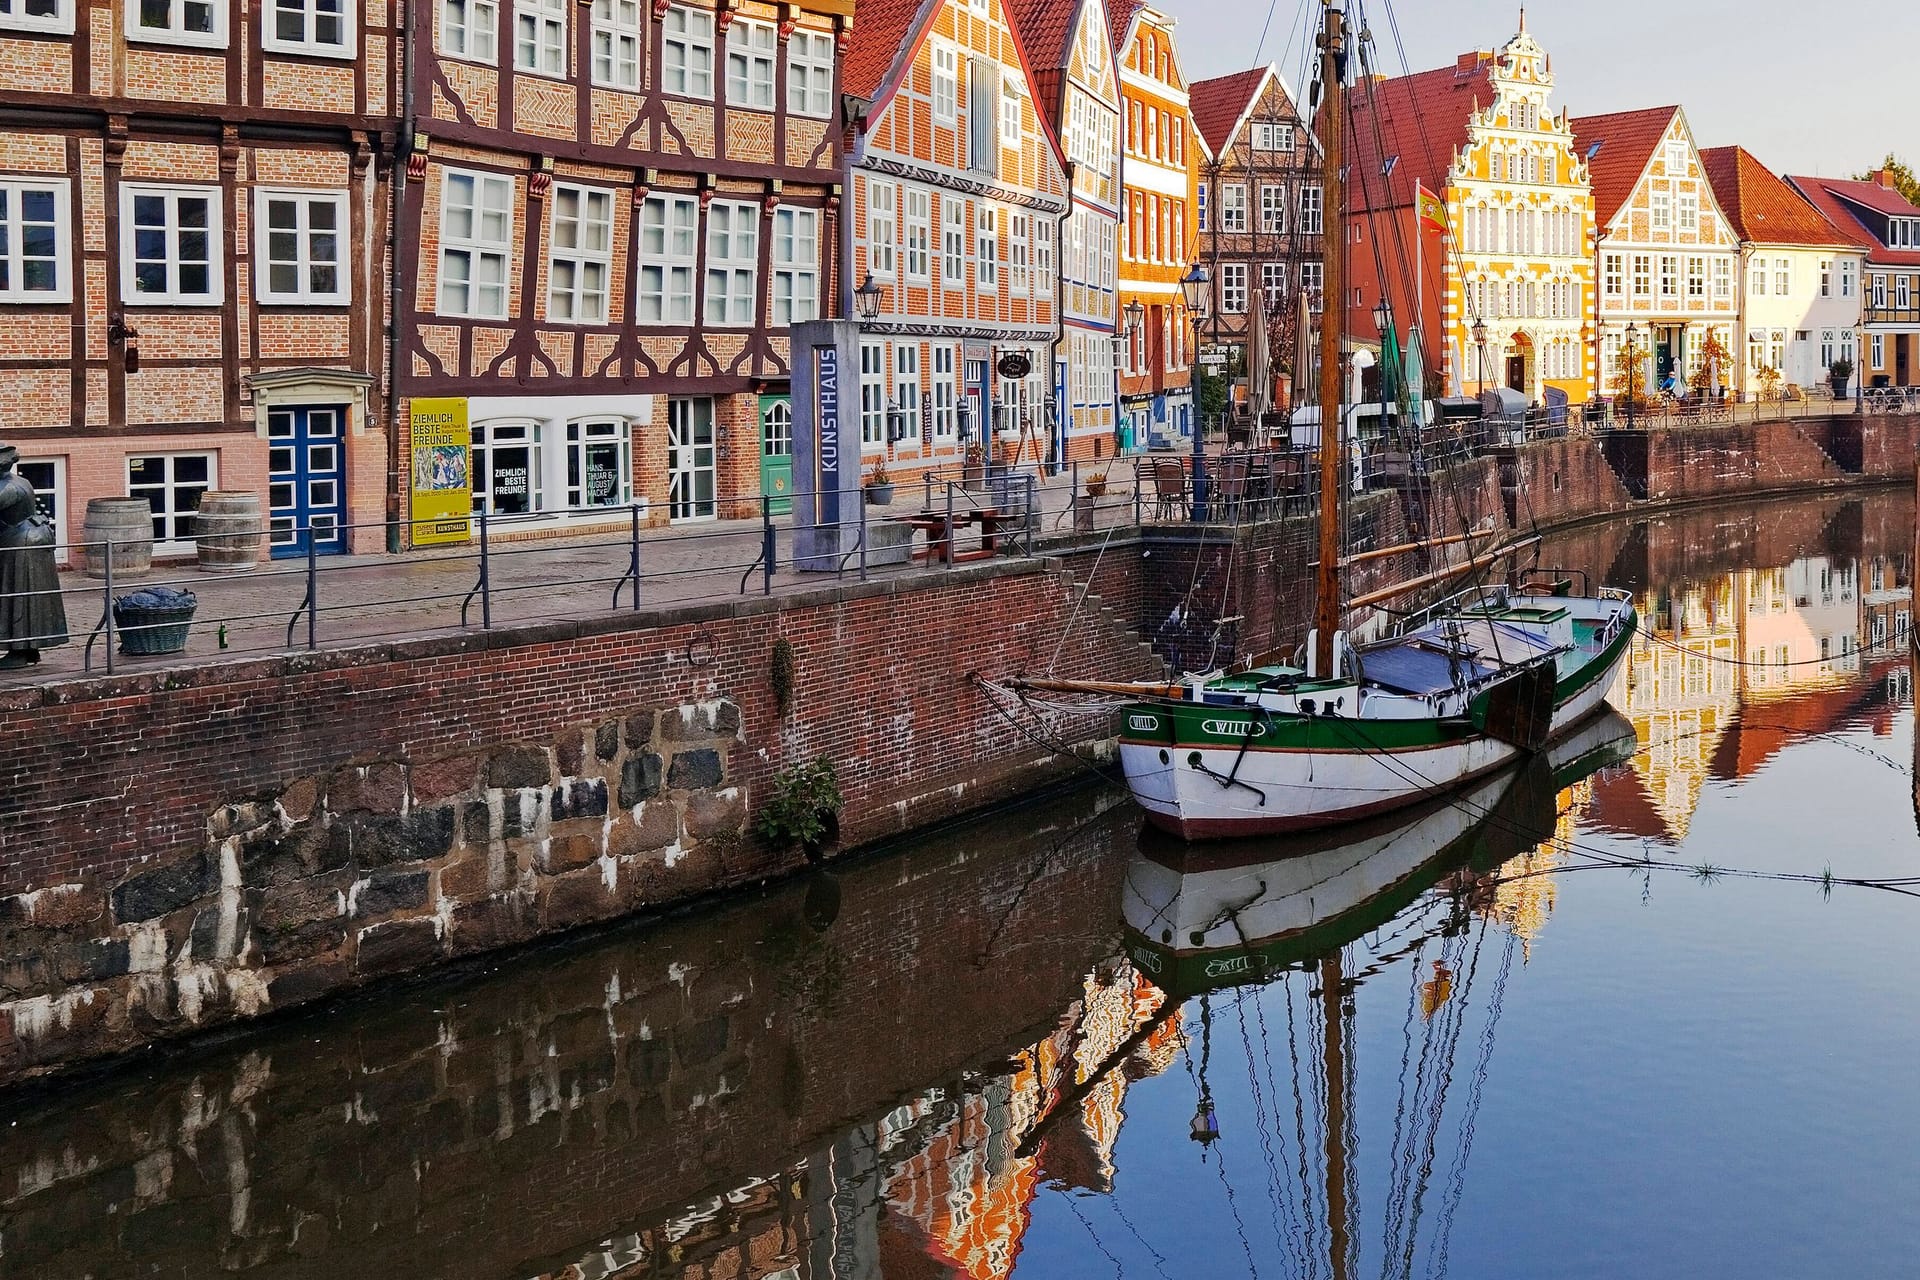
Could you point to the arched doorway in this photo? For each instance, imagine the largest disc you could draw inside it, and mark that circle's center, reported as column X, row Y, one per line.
column 1520, row 364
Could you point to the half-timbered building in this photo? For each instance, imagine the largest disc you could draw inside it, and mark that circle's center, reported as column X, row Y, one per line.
column 619, row 207
column 959, row 194
column 193, row 213
column 1156, row 245
column 1070, row 44
column 1260, row 215
column 1667, row 255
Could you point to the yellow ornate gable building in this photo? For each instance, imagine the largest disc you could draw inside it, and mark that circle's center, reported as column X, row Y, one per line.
column 1478, row 143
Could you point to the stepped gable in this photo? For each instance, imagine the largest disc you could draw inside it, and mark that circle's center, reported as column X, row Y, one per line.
column 1837, row 198
column 1419, row 122
column 1761, row 207
column 1617, row 148
column 1218, row 105
column 884, row 35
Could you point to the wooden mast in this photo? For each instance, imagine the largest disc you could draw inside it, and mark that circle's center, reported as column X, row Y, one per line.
column 1333, row 298
column 1334, row 1063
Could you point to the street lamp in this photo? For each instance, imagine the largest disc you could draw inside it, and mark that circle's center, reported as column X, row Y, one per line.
column 1195, row 289
column 866, row 300
column 1633, row 370
column 1383, row 324
column 1480, row 343
column 1859, row 379
column 1134, row 316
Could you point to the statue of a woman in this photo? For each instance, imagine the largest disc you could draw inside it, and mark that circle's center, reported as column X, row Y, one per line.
column 32, row 615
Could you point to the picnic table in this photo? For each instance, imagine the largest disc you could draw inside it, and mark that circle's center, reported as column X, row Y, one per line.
column 940, row 536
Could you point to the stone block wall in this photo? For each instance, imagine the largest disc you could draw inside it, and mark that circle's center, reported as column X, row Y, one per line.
column 195, row 846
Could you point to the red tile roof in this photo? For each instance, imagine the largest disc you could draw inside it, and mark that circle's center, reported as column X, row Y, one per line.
column 1871, row 195
column 1760, row 207
column 1121, row 13
column 1218, row 104
column 1045, row 29
column 1617, row 149
column 1831, row 197
column 884, row 32
column 1415, row 124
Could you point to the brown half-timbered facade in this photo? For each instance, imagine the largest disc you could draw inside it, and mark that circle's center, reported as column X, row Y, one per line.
column 193, row 209
column 619, row 207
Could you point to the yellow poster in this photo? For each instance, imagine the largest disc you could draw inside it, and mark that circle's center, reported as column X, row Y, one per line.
column 442, row 484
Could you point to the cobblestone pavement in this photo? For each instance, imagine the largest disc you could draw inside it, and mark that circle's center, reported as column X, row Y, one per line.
column 374, row 597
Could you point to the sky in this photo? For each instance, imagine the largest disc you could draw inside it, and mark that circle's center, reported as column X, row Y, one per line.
column 1783, row 78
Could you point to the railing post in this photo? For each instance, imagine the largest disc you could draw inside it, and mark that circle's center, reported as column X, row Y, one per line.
column 860, row 496
column 766, row 545
column 106, row 600
column 633, row 555
column 1030, row 524
column 313, row 593
column 486, row 585
column 946, row 547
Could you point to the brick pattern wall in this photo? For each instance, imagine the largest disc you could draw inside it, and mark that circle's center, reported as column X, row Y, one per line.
column 159, row 802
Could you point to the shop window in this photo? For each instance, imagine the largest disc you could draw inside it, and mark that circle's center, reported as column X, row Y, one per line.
column 506, row 468
column 172, row 484
column 599, row 464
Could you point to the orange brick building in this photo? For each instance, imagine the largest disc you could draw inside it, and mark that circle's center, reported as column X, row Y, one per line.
column 195, row 206
column 619, row 209
column 959, row 198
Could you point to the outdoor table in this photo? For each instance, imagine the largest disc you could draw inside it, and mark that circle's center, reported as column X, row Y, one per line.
column 940, row 537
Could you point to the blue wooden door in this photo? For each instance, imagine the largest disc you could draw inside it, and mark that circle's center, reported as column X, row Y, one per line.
column 306, row 481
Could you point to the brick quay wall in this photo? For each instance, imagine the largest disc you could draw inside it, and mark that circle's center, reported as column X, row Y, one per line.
column 183, row 849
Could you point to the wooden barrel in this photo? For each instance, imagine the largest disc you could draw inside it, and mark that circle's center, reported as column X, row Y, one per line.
column 128, row 524
column 227, row 530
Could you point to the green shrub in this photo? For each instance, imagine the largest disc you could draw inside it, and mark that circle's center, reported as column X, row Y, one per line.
column 802, row 808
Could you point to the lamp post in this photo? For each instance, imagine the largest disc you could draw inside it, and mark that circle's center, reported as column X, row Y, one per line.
column 1135, row 315
column 1480, row 344
column 1383, row 324
column 1859, row 359
column 1633, row 370
column 1195, row 289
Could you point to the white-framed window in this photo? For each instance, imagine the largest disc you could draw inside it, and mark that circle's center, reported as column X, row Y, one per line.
column 34, row 234
column 1233, row 207
column 946, row 392
column 169, row 238
column 1846, row 279
column 1233, row 288
column 202, row 23
column 796, row 265
column 316, row 28
column 882, row 229
column 1782, row 276
column 918, row 223
column 873, row 395
column 1826, row 348
column 1689, row 212
column 1642, row 275
column 1273, row 284
column 580, row 261
column 1676, row 159
column 1200, row 222
column 1273, row 208
column 1723, row 278
column 1826, row 277
column 733, row 259
column 1612, row 278
column 986, row 256
column 1043, row 257
column 1313, row 283
column 686, row 52
column 667, row 257
column 953, row 244
column 1268, row 136
column 476, row 244
column 1010, row 120
column 752, row 48
column 1662, row 210
column 946, row 83
column 48, row 476
column 540, row 36
column 470, row 29
column 172, row 484
column 1696, row 278
column 810, row 74
column 906, row 391
column 1018, row 231
column 300, row 247
column 1669, row 275
column 1879, row 296
column 55, row 16
column 599, row 464
column 1757, row 278
column 506, row 468
column 1902, row 298
column 619, row 36
column 1878, row 345
column 1311, row 203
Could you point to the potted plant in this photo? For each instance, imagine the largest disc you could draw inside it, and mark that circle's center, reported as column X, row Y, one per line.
column 974, row 465
column 154, row 621
column 1839, row 374
column 1096, row 484
column 879, row 486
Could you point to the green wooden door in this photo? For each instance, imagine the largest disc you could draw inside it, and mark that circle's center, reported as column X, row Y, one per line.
column 776, row 452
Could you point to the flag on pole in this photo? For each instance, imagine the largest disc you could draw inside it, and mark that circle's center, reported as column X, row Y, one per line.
column 1433, row 210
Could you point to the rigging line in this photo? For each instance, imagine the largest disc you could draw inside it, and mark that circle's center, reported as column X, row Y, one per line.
column 1119, row 1268
column 1350, row 1131
column 1396, row 1209
column 1476, row 1090
column 1296, row 1228
column 1233, row 1207
column 1300, row 1134
column 1078, row 604
column 1283, row 1237
column 1159, row 1259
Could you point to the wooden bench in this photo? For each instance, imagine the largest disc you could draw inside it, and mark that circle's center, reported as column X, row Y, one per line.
column 940, row 537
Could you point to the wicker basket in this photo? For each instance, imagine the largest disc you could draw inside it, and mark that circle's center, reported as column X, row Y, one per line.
column 153, row 622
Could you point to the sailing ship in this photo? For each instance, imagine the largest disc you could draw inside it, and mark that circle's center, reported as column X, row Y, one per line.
column 1347, row 730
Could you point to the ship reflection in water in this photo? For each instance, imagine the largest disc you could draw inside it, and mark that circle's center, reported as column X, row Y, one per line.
column 1056, row 1045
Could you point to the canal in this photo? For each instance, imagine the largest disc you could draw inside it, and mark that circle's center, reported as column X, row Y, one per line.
column 1645, row 1007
